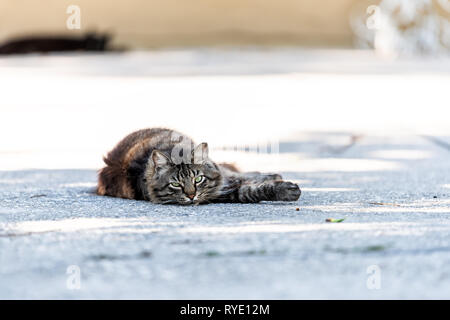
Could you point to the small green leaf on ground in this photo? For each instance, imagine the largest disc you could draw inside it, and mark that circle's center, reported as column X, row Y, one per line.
column 334, row 220
column 374, row 248
column 212, row 253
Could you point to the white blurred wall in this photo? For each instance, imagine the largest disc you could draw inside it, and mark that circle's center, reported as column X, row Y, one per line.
column 66, row 111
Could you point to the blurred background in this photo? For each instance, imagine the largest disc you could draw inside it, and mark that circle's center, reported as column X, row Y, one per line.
column 76, row 76
column 391, row 25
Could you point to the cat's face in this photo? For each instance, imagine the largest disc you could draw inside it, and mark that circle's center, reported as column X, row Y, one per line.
column 183, row 183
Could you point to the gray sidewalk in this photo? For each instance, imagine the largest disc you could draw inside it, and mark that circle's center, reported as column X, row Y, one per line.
column 392, row 191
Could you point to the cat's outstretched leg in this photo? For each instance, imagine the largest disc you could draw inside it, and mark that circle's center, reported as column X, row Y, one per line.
column 256, row 176
column 268, row 191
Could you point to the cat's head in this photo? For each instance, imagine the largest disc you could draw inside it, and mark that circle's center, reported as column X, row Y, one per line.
column 194, row 180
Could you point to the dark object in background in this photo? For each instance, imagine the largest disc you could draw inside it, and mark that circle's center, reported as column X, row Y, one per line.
column 89, row 42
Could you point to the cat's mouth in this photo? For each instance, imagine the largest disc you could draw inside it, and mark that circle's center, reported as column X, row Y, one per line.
column 192, row 199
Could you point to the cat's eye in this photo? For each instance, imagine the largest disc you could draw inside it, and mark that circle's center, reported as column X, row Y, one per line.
column 198, row 179
column 175, row 184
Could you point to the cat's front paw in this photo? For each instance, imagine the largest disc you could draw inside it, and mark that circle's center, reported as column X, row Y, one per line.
column 287, row 191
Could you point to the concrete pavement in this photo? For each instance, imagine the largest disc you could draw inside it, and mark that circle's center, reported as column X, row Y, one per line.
column 393, row 194
column 353, row 131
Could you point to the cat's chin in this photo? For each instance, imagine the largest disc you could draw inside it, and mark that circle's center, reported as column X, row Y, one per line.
column 191, row 203
column 186, row 203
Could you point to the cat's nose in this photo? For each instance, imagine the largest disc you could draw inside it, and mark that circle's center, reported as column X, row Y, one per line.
column 191, row 196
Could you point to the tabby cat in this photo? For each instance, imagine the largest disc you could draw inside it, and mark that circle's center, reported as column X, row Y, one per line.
column 164, row 166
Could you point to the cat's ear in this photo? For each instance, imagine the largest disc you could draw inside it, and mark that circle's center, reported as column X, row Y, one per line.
column 200, row 153
column 159, row 159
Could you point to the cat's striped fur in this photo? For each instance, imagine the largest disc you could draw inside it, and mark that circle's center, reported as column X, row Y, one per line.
column 165, row 166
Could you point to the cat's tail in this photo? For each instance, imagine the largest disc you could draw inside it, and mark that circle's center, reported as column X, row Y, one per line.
column 113, row 180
